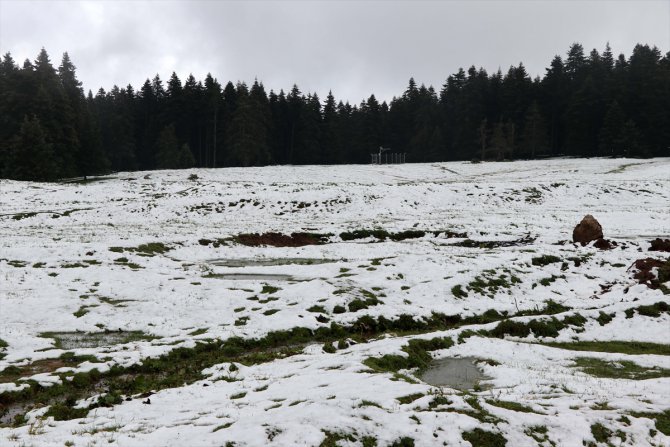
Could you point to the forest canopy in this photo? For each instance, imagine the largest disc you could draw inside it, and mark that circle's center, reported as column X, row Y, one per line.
column 585, row 105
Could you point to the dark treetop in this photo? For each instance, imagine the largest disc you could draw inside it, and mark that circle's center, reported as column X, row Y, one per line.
column 585, row 105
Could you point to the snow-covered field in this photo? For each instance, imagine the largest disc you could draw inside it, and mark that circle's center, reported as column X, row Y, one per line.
column 76, row 279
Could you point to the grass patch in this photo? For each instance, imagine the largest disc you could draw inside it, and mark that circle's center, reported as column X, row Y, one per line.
column 73, row 265
column 654, row 310
column 458, row 291
column 540, row 434
column 222, row 426
column 622, row 369
column 113, row 302
column 417, row 356
column 242, row 321
column 269, row 289
column 198, row 332
column 67, row 359
column 149, row 249
column 152, row 248
column 360, row 304
column 489, row 284
column 184, row 365
column 20, row 216
column 604, row 318
column 545, row 260
column 83, row 310
column 369, row 403
column 513, row 406
column 540, row 328
column 546, row 282
column 621, row 347
column 661, row 420
column 404, row 400
column 483, row 438
column 16, row 263
column 551, row 307
column 600, row 432
column 317, row 309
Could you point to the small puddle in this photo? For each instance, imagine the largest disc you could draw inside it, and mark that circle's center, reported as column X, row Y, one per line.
column 9, row 413
column 265, row 262
column 458, row 373
column 254, row 277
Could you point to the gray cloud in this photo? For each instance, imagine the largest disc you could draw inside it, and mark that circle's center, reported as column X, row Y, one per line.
column 353, row 48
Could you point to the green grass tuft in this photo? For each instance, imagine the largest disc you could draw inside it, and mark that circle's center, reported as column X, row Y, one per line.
column 622, row 369
column 622, row 347
column 483, row 438
column 545, row 260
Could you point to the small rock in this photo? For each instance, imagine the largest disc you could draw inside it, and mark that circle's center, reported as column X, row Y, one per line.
column 587, row 230
column 147, row 402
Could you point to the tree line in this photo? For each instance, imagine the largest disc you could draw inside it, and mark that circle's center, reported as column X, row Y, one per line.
column 584, row 105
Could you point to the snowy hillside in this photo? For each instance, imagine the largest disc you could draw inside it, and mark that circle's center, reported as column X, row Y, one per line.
column 137, row 309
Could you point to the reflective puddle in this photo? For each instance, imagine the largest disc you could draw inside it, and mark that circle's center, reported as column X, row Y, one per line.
column 265, row 262
column 458, row 373
column 254, row 277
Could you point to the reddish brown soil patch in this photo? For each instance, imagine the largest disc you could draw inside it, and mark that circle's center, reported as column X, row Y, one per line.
column 646, row 275
column 604, row 244
column 281, row 240
column 659, row 244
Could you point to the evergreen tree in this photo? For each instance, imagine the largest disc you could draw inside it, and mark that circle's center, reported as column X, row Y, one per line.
column 213, row 132
column 534, row 138
column 331, row 132
column 169, row 154
column 246, row 136
column 580, row 107
column 630, row 141
column 499, row 140
column 611, row 141
column 31, row 157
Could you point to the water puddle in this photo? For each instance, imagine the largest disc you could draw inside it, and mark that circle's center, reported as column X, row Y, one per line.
column 265, row 262
column 76, row 340
column 458, row 373
column 8, row 414
column 254, row 277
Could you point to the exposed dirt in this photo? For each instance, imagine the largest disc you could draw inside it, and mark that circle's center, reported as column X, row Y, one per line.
column 645, row 272
column 12, row 373
column 605, row 244
column 659, row 244
column 281, row 240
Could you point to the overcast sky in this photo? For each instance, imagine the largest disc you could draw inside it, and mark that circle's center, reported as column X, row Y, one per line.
column 354, row 48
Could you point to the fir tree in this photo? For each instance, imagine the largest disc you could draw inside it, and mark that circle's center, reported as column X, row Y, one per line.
column 169, row 155
column 31, row 157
